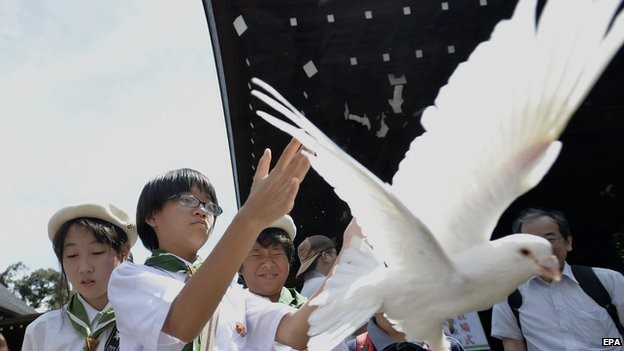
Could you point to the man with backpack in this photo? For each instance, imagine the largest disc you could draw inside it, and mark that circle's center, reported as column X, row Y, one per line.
column 576, row 313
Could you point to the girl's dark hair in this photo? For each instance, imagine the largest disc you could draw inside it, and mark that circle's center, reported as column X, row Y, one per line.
column 275, row 236
column 159, row 190
column 104, row 232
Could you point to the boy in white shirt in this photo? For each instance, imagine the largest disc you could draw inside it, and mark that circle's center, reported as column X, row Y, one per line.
column 267, row 265
column 162, row 307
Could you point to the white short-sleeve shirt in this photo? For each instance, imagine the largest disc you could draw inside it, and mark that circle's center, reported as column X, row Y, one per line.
column 142, row 295
column 560, row 316
column 342, row 346
column 53, row 331
column 313, row 280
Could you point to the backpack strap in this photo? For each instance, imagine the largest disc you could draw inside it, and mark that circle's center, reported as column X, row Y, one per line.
column 515, row 301
column 593, row 287
column 112, row 343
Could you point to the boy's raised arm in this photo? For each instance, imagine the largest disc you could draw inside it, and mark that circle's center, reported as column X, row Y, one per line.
column 272, row 195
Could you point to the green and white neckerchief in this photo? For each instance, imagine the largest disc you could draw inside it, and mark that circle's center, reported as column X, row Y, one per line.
column 291, row 297
column 80, row 321
column 172, row 263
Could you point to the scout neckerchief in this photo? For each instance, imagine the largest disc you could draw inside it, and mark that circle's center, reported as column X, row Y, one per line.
column 170, row 262
column 291, row 297
column 80, row 320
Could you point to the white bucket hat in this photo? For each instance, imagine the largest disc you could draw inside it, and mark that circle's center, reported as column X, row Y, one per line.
column 108, row 213
column 286, row 224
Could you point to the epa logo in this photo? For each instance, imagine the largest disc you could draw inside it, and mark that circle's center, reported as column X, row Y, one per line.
column 611, row 342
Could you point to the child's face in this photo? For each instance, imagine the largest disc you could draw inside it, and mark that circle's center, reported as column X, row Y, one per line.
column 182, row 230
column 88, row 265
column 265, row 270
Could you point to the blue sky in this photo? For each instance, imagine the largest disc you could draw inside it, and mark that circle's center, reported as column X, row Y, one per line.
column 95, row 99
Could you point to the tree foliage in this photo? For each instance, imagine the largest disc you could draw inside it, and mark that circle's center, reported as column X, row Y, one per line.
column 12, row 272
column 40, row 288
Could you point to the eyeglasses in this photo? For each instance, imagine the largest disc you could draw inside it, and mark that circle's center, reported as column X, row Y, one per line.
column 553, row 239
column 188, row 200
column 333, row 252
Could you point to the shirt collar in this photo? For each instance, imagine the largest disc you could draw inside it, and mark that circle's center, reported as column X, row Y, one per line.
column 181, row 259
column 566, row 272
column 92, row 313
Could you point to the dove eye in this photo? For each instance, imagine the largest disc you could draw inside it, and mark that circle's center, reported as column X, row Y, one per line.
column 524, row 252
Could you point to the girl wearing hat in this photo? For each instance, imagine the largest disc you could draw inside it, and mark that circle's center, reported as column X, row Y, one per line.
column 89, row 240
column 166, row 305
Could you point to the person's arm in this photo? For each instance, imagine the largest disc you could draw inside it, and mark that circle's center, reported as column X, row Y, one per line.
column 293, row 328
column 272, row 195
column 505, row 327
column 513, row 345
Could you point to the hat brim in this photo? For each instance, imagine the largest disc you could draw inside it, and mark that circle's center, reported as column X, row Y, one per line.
column 306, row 264
column 108, row 213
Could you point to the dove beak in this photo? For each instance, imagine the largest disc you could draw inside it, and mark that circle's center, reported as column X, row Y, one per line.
column 549, row 268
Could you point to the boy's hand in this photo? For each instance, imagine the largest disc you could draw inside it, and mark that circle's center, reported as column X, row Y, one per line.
column 273, row 192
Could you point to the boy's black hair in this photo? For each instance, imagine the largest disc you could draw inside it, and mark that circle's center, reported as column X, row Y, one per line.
column 276, row 236
column 159, row 190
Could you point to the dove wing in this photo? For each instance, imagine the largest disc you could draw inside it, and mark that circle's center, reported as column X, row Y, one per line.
column 399, row 240
column 383, row 218
column 491, row 134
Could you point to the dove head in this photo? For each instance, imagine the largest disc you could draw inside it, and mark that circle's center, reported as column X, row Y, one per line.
column 530, row 254
column 504, row 264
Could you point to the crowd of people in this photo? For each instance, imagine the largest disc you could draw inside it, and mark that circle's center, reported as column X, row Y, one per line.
column 236, row 299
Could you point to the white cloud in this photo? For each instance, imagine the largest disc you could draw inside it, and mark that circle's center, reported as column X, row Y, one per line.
column 97, row 99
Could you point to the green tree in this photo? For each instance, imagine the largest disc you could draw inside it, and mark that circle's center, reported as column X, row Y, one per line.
column 7, row 277
column 40, row 288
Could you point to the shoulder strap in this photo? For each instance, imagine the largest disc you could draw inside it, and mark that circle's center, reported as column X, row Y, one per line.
column 515, row 301
column 112, row 343
column 593, row 287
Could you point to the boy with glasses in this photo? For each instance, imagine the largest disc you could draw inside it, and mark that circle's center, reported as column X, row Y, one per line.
column 169, row 303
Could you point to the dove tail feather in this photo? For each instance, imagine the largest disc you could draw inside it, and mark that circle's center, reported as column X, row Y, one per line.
column 281, row 105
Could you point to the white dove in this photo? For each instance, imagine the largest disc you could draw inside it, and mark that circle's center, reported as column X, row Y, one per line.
column 490, row 137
